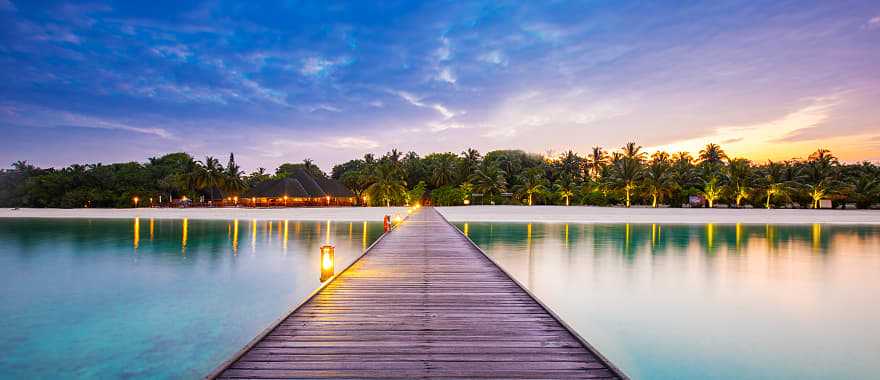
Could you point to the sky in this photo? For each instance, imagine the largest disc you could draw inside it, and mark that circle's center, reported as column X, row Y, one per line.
column 279, row 82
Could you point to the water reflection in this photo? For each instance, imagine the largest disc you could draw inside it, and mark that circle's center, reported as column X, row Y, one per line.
column 76, row 284
column 724, row 301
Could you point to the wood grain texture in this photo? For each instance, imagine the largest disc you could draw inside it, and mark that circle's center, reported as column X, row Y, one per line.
column 422, row 303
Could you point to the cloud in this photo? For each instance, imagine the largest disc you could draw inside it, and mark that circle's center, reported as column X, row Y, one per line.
column 319, row 67
column 762, row 139
column 444, row 52
column 446, row 75
column 416, row 101
column 36, row 117
column 440, row 127
column 82, row 121
column 558, row 110
column 178, row 52
column 874, row 23
column 495, row 57
column 346, row 142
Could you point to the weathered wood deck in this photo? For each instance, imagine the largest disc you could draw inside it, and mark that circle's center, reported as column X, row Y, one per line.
column 424, row 302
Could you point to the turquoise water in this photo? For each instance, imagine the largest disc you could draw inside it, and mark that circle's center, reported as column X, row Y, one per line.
column 152, row 299
column 707, row 301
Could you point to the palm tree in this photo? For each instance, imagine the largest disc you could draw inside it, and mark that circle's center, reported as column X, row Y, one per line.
column 712, row 154
column 596, row 161
column 233, row 183
column 386, row 184
column 530, row 183
column 658, row 179
column 443, row 172
column 633, row 151
column 739, row 176
column 565, row 187
column 470, row 161
column 864, row 185
column 625, row 173
column 570, row 164
column 820, row 175
column 208, row 175
column 773, row 181
column 712, row 189
column 489, row 179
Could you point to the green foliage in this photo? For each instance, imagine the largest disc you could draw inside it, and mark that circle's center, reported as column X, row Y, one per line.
column 625, row 176
column 417, row 193
column 447, row 196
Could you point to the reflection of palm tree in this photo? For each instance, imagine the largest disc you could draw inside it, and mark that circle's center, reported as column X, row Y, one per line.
column 386, row 184
column 530, row 183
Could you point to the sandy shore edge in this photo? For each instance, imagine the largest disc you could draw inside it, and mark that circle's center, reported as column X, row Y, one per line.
column 512, row 214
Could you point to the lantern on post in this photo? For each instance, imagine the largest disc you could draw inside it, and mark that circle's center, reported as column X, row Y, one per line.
column 136, row 200
column 327, row 269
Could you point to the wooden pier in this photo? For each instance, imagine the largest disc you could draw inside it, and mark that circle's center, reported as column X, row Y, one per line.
column 423, row 302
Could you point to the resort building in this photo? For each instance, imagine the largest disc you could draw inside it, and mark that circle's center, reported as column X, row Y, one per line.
column 299, row 188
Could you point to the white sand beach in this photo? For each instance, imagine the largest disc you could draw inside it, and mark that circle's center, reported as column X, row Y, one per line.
column 224, row 213
column 589, row 214
column 516, row 214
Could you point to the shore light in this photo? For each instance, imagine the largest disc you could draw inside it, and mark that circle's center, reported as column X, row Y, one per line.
column 136, row 200
column 467, row 202
column 327, row 270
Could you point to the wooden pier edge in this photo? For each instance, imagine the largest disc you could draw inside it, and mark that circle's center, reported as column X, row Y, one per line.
column 617, row 371
column 253, row 342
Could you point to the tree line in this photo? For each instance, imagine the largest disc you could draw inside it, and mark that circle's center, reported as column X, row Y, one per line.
column 626, row 176
column 157, row 181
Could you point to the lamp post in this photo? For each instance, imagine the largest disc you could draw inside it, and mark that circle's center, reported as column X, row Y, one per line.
column 327, row 270
column 136, row 200
column 285, row 201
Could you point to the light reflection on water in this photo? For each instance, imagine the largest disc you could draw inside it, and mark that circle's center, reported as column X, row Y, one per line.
column 706, row 301
column 152, row 298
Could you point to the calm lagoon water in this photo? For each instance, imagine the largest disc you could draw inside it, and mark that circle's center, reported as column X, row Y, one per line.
column 152, row 298
column 707, row 301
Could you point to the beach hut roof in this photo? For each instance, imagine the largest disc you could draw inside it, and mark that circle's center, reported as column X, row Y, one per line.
column 300, row 184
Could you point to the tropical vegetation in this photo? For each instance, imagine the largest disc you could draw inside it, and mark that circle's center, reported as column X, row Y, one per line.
column 626, row 177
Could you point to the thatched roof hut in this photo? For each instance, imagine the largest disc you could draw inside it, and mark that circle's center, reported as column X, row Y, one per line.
column 301, row 188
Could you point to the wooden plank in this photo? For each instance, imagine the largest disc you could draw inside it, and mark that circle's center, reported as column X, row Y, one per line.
column 423, row 302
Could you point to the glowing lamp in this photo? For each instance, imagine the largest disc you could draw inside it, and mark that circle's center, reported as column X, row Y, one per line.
column 397, row 219
column 327, row 269
column 136, row 200
column 467, row 202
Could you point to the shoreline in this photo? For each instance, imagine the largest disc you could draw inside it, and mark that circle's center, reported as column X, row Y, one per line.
column 501, row 214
